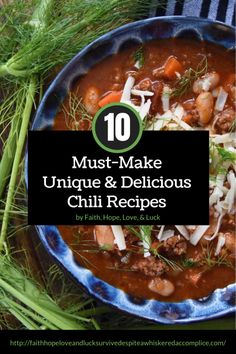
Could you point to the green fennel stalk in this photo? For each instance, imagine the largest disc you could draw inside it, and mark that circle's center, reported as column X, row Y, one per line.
column 33, row 42
column 24, row 297
column 16, row 162
column 11, row 115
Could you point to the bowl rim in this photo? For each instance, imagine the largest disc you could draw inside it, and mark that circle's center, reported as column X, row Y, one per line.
column 67, row 255
column 87, row 48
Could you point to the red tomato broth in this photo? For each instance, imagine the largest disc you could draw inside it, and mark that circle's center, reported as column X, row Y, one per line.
column 136, row 284
column 111, row 74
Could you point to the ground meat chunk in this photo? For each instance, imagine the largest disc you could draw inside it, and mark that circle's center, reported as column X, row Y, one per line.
column 150, row 266
column 224, row 121
column 229, row 222
column 157, row 88
column 175, row 245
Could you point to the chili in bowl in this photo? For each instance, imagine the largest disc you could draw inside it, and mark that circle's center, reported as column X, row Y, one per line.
column 178, row 73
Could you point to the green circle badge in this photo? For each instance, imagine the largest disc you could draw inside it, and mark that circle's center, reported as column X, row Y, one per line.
column 117, row 127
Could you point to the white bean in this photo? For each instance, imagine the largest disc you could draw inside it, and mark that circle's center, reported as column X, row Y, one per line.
column 162, row 287
column 204, row 105
column 91, row 100
column 230, row 242
column 104, row 236
column 206, row 83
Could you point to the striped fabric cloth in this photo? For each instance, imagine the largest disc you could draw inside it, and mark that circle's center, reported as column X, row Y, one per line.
column 221, row 10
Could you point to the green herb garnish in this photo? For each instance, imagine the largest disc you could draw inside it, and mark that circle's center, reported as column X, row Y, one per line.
column 175, row 266
column 183, row 84
column 188, row 263
column 35, row 309
column 76, row 113
column 226, row 155
column 220, row 159
column 215, row 261
column 139, row 56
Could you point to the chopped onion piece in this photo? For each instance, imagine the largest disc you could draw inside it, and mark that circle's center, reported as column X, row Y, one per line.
column 141, row 93
column 220, row 244
column 165, row 98
column 221, row 99
column 198, row 233
column 127, row 89
column 166, row 235
column 119, row 236
column 184, row 232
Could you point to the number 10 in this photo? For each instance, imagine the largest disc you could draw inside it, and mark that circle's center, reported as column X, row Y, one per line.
column 118, row 127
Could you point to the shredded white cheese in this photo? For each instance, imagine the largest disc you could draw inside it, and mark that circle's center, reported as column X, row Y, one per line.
column 190, row 227
column 145, row 108
column 137, row 64
column 160, row 232
column 119, row 237
column 228, row 202
column 219, row 221
column 225, row 138
column 167, row 234
column 162, row 120
column 141, row 93
column 126, row 95
column 165, row 98
column 184, row 232
column 182, row 124
column 221, row 100
column 220, row 244
column 178, row 114
column 197, row 234
column 217, row 192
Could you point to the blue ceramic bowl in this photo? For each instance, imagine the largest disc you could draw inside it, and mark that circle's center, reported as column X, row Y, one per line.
column 221, row 301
